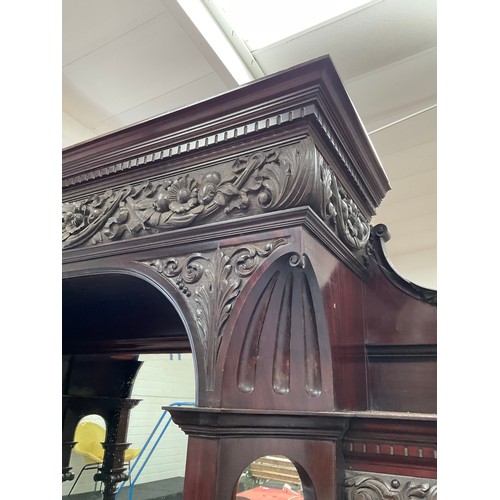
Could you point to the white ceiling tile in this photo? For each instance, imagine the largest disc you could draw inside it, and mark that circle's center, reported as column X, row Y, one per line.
column 416, row 130
column 422, row 222
column 74, row 131
column 411, row 243
column 411, row 221
column 389, row 213
column 197, row 90
column 410, row 161
column 419, row 184
column 395, row 91
column 371, row 38
column 139, row 66
column 80, row 106
column 90, row 24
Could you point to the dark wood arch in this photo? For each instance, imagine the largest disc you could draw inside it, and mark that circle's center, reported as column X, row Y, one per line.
column 206, row 205
column 123, row 311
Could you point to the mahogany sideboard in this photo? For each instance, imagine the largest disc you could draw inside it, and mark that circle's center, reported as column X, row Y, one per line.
column 238, row 229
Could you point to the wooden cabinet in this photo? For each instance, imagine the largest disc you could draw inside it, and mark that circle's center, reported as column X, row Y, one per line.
column 239, row 228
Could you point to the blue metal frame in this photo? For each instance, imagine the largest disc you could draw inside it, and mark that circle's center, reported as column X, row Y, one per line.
column 136, row 461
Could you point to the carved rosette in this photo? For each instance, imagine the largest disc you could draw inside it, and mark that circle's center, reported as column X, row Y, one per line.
column 385, row 487
column 211, row 283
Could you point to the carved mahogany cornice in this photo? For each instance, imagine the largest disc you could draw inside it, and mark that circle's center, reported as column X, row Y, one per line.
column 200, row 143
column 369, row 486
column 211, row 283
column 265, row 181
column 311, row 93
column 255, row 183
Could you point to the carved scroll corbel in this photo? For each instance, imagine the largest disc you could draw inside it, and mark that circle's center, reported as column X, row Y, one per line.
column 211, row 283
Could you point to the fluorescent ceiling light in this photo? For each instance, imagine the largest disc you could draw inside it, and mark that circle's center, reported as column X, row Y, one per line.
column 211, row 31
column 263, row 22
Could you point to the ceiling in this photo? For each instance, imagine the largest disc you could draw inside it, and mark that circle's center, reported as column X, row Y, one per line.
column 125, row 61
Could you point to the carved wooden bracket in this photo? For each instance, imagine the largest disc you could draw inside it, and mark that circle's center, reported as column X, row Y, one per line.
column 211, row 283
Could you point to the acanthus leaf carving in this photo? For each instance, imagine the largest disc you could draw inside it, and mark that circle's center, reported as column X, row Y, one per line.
column 327, row 206
column 340, row 211
column 214, row 303
column 354, row 226
column 211, row 283
column 261, row 181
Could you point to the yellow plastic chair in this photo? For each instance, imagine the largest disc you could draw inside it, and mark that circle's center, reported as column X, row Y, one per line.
column 88, row 437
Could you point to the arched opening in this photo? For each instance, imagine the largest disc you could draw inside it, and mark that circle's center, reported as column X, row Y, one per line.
column 270, row 476
column 119, row 314
column 124, row 340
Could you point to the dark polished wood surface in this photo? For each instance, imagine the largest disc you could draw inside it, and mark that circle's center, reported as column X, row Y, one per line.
column 239, row 229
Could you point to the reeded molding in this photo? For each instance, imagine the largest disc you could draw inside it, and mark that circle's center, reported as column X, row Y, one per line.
column 211, row 282
column 285, row 283
column 369, row 486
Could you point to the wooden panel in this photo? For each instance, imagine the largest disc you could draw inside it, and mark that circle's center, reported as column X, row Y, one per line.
column 395, row 318
column 201, row 469
column 403, row 384
column 343, row 304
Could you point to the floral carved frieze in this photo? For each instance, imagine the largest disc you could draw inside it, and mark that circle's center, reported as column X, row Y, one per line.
column 255, row 183
column 211, row 283
column 386, row 487
column 278, row 178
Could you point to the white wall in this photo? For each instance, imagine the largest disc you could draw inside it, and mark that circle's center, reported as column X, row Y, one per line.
column 162, row 379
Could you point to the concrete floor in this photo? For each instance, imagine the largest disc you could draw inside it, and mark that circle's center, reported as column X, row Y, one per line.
column 167, row 489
